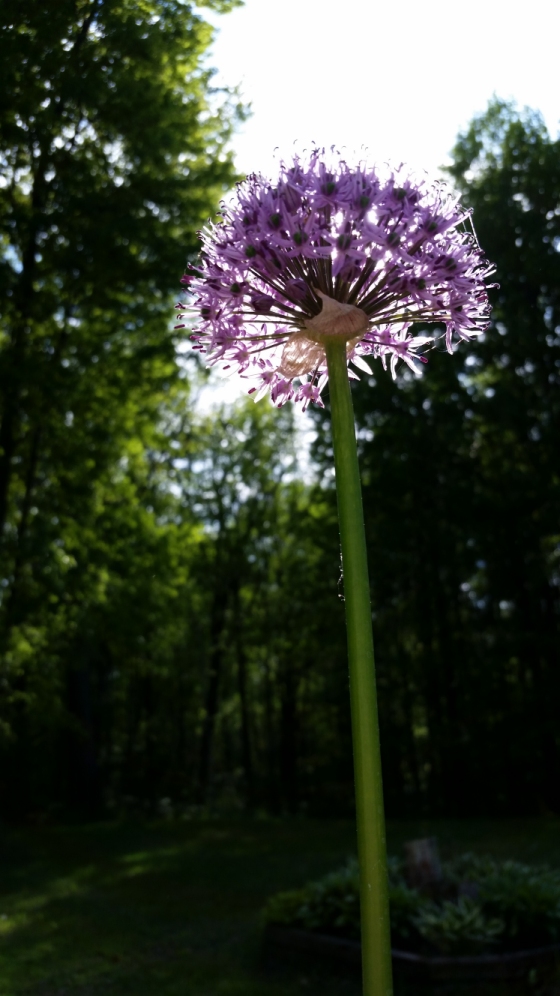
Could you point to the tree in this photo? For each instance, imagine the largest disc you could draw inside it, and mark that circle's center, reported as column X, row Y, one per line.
column 509, row 168
column 113, row 151
column 272, row 636
column 461, row 497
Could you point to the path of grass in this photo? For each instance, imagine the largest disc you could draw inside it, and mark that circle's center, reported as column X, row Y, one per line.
column 172, row 909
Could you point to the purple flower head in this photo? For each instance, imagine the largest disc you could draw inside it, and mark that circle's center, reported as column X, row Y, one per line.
column 333, row 250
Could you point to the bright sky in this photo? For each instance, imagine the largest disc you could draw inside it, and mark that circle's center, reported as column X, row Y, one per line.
column 399, row 77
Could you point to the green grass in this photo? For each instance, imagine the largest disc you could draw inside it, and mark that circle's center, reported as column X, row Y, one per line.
column 172, row 909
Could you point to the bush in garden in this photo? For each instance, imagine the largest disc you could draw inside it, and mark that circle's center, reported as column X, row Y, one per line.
column 483, row 906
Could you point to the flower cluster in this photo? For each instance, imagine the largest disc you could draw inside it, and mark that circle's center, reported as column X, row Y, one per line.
column 333, row 250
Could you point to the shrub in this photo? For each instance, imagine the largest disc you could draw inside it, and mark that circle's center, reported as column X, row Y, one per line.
column 526, row 898
column 331, row 904
column 483, row 905
column 461, row 927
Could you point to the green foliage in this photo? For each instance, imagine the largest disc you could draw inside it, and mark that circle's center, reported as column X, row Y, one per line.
column 458, row 928
column 330, row 904
column 287, row 908
column 526, row 899
column 113, row 151
column 221, row 6
column 515, row 906
column 405, row 905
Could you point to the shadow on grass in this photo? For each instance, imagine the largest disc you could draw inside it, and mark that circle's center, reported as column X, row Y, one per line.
column 169, row 909
column 158, row 909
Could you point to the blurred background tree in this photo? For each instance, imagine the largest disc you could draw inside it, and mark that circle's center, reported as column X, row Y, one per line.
column 461, row 471
column 171, row 630
column 113, row 152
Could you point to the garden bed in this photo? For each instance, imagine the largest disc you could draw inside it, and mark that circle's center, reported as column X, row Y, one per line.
column 280, row 939
column 471, row 919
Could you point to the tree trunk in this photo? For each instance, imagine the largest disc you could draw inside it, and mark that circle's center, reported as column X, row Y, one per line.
column 217, row 626
column 288, row 739
column 246, row 752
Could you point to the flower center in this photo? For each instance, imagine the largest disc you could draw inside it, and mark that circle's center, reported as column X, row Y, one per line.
column 342, row 320
column 304, row 351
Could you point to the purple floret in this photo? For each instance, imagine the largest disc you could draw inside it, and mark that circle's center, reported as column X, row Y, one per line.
column 333, row 250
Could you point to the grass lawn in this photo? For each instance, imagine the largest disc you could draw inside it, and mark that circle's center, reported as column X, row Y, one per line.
column 172, row 909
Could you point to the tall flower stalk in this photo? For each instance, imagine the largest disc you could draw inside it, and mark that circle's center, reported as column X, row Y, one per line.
column 374, row 899
column 298, row 283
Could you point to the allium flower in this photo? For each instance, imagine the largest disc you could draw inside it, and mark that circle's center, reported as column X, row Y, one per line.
column 333, row 250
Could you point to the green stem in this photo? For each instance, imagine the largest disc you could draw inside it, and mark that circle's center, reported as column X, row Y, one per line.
column 374, row 899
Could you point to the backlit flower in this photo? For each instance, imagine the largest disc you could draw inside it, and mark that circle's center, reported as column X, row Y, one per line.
column 333, row 250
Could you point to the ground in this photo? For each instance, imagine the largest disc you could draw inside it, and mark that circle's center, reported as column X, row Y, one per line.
column 173, row 908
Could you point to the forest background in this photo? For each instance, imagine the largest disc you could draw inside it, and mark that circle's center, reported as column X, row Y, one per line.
column 171, row 625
